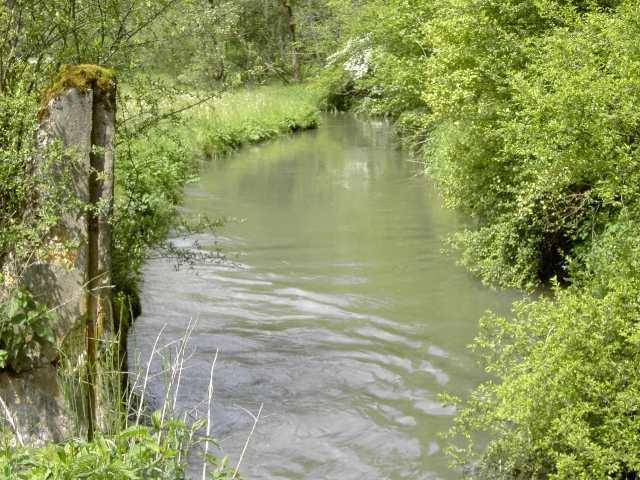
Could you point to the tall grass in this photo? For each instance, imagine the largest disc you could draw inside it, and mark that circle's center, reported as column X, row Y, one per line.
column 151, row 445
column 250, row 116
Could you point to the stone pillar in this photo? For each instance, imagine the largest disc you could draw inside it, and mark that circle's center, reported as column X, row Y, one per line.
column 78, row 115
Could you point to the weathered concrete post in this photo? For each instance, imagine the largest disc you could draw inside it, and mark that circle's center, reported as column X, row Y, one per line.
column 78, row 114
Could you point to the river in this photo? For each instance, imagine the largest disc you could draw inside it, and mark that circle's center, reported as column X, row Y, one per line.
column 336, row 309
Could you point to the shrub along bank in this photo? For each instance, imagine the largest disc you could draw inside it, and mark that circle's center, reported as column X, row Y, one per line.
column 527, row 114
column 138, row 452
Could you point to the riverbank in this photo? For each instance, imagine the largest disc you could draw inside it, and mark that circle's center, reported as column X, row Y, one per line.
column 250, row 116
column 153, row 165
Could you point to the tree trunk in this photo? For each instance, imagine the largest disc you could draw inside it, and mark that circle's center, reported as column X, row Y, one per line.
column 291, row 25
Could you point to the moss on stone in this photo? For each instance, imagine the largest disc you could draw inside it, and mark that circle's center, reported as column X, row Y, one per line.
column 84, row 77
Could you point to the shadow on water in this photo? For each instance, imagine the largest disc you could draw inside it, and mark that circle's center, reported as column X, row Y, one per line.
column 341, row 313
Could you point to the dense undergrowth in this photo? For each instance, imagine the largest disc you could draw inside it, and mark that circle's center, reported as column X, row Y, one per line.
column 133, row 453
column 527, row 114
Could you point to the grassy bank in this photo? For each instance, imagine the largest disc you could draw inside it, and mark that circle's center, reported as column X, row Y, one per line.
column 250, row 116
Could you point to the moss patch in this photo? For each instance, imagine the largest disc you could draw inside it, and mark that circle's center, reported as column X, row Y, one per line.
column 83, row 77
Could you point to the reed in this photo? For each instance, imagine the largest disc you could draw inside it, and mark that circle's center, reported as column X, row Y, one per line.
column 149, row 445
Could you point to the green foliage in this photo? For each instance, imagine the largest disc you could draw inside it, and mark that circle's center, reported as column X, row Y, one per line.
column 399, row 53
column 39, row 37
column 237, row 42
column 533, row 137
column 135, row 453
column 17, row 116
column 24, row 330
column 248, row 116
column 380, row 69
column 564, row 403
column 336, row 89
column 151, row 171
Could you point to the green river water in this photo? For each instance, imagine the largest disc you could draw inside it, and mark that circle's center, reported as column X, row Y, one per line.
column 337, row 308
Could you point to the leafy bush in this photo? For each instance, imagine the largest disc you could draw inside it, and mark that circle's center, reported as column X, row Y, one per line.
column 135, row 453
column 24, row 330
column 17, row 118
column 569, row 148
column 380, row 70
column 564, row 403
column 336, row 89
column 151, row 171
